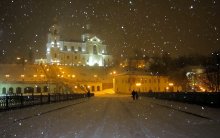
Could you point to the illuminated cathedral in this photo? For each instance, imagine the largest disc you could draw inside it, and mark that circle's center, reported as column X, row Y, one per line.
column 89, row 51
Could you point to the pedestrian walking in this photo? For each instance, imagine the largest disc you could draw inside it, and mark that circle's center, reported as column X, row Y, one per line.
column 88, row 94
column 133, row 94
column 136, row 95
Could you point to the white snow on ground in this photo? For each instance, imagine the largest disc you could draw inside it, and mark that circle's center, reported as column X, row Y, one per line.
column 105, row 92
column 112, row 116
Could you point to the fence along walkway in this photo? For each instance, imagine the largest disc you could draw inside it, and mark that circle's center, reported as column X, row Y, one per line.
column 18, row 101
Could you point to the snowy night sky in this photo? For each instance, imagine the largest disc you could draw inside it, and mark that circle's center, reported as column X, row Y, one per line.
column 179, row 27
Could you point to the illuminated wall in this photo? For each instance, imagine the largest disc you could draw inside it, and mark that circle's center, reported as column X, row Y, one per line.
column 91, row 52
column 141, row 83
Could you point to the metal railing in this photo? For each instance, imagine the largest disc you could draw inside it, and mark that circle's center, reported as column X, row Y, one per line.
column 199, row 98
column 19, row 101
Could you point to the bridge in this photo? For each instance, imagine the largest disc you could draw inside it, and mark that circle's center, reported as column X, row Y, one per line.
column 109, row 115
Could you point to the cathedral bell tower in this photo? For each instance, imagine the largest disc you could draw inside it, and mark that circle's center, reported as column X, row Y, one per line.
column 86, row 34
column 53, row 35
column 53, row 45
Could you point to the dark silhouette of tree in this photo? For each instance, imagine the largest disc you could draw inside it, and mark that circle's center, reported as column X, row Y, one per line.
column 212, row 66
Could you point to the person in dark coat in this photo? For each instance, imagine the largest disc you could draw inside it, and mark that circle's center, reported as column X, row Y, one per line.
column 88, row 94
column 136, row 95
column 133, row 94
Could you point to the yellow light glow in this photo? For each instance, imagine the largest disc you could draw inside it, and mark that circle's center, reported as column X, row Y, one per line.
column 7, row 75
column 138, row 84
column 171, row 84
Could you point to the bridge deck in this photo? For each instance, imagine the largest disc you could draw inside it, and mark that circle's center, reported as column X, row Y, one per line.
column 107, row 116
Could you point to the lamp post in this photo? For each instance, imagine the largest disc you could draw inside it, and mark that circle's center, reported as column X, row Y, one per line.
column 171, row 86
column 113, row 79
column 7, row 76
column 138, row 85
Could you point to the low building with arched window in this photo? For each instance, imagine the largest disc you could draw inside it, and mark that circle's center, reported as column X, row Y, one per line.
column 143, row 82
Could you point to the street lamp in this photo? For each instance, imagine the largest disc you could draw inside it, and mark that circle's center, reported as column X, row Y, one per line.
column 171, row 86
column 7, row 76
column 22, row 76
column 113, row 73
column 138, row 85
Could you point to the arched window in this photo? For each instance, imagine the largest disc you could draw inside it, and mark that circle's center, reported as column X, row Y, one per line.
column 72, row 48
column 79, row 49
column 95, row 50
column 29, row 90
column 98, row 88
column 18, row 90
column 11, row 90
column 4, row 90
column 65, row 48
column 93, row 88
column 46, row 89
column 38, row 89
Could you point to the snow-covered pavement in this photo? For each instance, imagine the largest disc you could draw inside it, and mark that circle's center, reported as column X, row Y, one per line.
column 112, row 116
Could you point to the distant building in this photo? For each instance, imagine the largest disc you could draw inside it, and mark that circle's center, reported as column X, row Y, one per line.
column 26, row 79
column 90, row 51
column 135, row 63
column 34, row 78
column 142, row 82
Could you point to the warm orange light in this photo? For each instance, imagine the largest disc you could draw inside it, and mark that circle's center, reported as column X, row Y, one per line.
column 171, row 84
column 7, row 75
column 138, row 84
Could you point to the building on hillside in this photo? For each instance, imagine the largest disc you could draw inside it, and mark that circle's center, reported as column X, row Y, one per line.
column 16, row 87
column 142, row 82
column 90, row 51
column 135, row 63
column 34, row 78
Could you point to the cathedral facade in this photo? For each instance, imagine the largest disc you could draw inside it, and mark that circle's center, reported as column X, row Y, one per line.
column 90, row 51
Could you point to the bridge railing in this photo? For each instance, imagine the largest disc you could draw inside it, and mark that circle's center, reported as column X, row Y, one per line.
column 200, row 98
column 18, row 101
